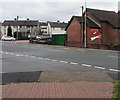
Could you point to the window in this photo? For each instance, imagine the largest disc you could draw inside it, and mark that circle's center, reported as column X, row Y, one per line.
column 28, row 31
column 43, row 27
column 28, row 26
column 62, row 28
column 24, row 34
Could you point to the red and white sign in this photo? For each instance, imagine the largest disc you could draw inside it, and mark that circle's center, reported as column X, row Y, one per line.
column 94, row 31
column 96, row 37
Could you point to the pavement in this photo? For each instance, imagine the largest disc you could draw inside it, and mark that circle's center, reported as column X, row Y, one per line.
column 60, row 84
column 18, row 41
column 58, row 90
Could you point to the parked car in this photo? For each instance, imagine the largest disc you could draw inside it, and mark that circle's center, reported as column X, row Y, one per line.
column 8, row 38
column 43, row 39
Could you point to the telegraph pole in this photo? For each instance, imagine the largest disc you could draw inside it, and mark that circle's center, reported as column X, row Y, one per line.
column 82, row 25
column 85, row 31
column 17, row 27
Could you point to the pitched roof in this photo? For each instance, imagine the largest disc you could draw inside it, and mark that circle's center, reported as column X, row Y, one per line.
column 90, row 23
column 108, row 16
column 20, row 23
column 79, row 19
column 58, row 24
column 43, row 24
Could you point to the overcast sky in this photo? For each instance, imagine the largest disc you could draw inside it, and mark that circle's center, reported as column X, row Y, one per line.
column 50, row 10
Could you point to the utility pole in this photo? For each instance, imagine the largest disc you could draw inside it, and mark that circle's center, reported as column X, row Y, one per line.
column 17, row 27
column 85, row 31
column 82, row 26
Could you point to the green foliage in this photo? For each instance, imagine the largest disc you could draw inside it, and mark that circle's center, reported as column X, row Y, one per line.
column 117, row 89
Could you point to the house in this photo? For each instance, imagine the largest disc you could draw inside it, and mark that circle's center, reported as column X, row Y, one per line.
column 101, row 29
column 75, row 31
column 119, row 15
column 56, row 28
column 21, row 27
column 109, row 25
column 43, row 28
column 57, row 32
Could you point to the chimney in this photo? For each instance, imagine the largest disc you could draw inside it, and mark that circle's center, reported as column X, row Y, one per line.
column 58, row 21
column 27, row 19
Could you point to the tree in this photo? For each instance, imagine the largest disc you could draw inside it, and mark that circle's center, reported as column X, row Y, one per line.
column 9, row 31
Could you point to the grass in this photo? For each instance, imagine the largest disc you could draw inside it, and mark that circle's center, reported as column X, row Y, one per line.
column 117, row 89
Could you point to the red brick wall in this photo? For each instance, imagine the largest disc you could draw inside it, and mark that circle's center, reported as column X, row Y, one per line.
column 89, row 35
column 74, row 31
column 73, row 44
column 75, row 38
column 110, row 34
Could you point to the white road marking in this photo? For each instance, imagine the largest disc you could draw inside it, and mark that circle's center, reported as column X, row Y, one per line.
column 99, row 67
column 54, row 60
column 113, row 56
column 26, row 55
column 40, row 58
column 74, row 63
column 17, row 55
column 63, row 61
column 21, row 55
column 46, row 58
column 86, row 65
column 114, row 70
column 6, row 53
column 32, row 56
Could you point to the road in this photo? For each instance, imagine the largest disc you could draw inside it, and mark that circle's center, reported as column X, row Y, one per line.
column 21, row 58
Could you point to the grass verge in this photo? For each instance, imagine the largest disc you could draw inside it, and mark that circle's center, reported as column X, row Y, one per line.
column 117, row 89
